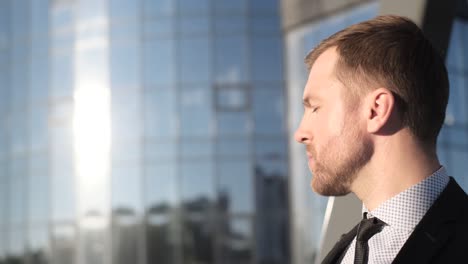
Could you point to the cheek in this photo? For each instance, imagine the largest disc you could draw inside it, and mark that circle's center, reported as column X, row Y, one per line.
column 335, row 122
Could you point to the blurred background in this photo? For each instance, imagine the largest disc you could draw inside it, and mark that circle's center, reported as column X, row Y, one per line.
column 160, row 131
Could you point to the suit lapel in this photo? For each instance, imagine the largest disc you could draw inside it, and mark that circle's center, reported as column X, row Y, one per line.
column 338, row 251
column 435, row 228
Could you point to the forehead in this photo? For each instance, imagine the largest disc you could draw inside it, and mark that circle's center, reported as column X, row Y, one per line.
column 322, row 81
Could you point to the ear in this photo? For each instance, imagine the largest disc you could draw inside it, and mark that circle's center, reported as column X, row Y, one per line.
column 380, row 105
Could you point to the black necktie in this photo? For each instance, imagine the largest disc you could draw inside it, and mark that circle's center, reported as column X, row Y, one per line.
column 367, row 228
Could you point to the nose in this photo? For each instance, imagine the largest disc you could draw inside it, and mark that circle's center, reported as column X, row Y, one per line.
column 300, row 135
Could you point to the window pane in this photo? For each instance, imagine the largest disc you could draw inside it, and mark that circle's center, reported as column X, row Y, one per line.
column 198, row 237
column 197, row 185
column 39, row 75
column 194, row 26
column 236, row 185
column 38, row 245
column 63, row 198
column 91, row 244
column 4, row 204
column 17, row 191
column 233, row 123
column 272, row 238
column 271, row 168
column 268, row 111
column 126, row 152
column 126, row 115
column 16, row 245
column 163, row 239
column 4, row 140
column 199, row 7
column 125, row 240
column 63, row 244
column 38, row 196
column 62, row 75
column 196, row 149
column 161, row 114
column 125, row 31
column 267, row 54
column 125, row 65
column 127, row 189
column 161, row 187
column 123, row 8
column 231, row 59
column 230, row 7
column 232, row 98
column 159, row 28
column 196, row 114
column 272, row 192
column 159, row 62
column 62, row 174
column 266, row 25
column 236, row 244
column 156, row 8
column 20, row 17
column 38, row 128
column 230, row 25
column 270, row 7
column 155, row 151
column 18, row 133
column 19, row 68
column 195, row 60
column 233, row 147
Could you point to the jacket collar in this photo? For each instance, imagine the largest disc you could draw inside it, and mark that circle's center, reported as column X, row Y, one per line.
column 435, row 228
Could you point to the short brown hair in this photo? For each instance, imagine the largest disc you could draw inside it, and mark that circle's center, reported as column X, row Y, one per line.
column 391, row 51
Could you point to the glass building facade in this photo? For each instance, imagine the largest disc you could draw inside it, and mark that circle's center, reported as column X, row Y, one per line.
column 308, row 209
column 142, row 131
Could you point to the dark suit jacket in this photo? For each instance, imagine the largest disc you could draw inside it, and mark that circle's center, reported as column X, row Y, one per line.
column 440, row 237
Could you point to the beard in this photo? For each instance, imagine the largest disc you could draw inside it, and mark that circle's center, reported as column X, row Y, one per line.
column 340, row 163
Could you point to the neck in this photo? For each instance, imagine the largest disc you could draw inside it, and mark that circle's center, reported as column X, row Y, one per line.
column 395, row 166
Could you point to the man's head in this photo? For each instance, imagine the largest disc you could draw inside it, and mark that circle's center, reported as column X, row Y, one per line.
column 385, row 64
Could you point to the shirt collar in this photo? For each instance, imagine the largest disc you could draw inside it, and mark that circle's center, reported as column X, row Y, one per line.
column 406, row 209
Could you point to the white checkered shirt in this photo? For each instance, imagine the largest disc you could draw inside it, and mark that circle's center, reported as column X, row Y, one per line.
column 401, row 213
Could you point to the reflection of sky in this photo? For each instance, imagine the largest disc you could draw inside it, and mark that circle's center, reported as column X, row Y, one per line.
column 197, row 180
column 236, row 180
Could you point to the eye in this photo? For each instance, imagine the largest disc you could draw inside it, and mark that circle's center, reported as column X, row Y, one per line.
column 314, row 109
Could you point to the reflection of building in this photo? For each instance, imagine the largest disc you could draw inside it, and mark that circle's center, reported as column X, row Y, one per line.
column 272, row 216
column 305, row 24
column 151, row 114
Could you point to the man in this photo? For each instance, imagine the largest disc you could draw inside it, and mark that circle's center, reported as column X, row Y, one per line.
column 374, row 104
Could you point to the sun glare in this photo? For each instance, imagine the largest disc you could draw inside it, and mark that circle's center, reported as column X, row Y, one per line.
column 92, row 136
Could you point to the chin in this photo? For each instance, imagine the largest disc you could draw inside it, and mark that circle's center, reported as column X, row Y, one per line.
column 329, row 189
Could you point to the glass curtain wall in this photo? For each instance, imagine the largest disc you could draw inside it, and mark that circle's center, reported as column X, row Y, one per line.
column 147, row 131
